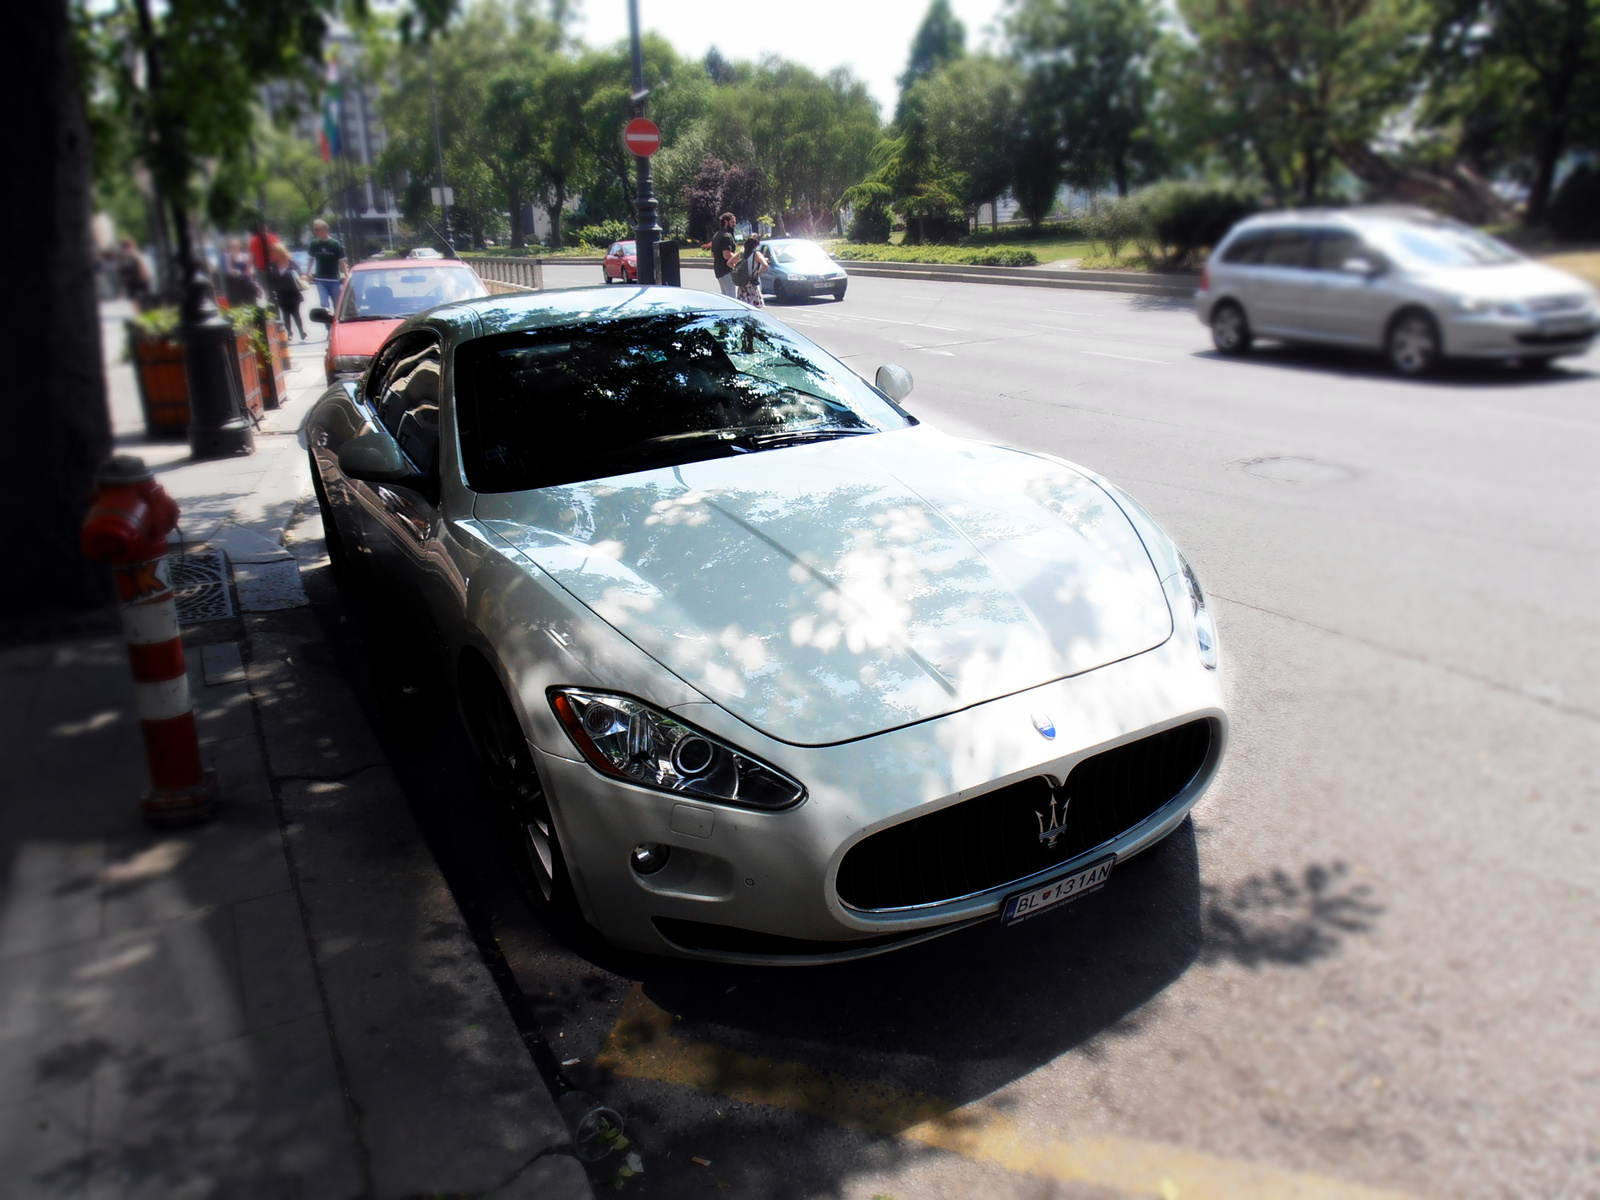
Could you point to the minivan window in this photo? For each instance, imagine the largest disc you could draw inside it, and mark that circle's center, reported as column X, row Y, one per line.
column 1245, row 249
column 1336, row 245
column 1291, row 248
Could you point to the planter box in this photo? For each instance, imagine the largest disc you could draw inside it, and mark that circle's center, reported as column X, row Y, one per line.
column 273, row 368
column 164, row 381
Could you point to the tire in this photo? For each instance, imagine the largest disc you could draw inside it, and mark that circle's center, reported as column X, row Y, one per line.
column 778, row 296
column 527, row 829
column 1412, row 345
column 404, row 668
column 838, row 293
column 1537, row 366
column 605, row 276
column 1230, row 331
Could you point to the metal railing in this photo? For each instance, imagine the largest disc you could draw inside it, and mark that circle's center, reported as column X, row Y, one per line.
column 502, row 275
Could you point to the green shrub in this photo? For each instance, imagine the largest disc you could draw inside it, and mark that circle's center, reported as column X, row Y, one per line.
column 1114, row 223
column 1186, row 218
column 601, row 233
column 870, row 224
column 1070, row 230
column 956, row 256
column 1575, row 211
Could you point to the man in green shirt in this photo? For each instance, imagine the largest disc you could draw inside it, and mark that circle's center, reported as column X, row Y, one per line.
column 328, row 266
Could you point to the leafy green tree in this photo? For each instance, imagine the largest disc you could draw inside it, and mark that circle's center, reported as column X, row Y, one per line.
column 1089, row 71
column 1520, row 82
column 1295, row 84
column 940, row 39
column 971, row 113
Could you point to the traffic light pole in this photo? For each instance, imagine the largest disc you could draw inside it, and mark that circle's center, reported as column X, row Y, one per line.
column 646, row 231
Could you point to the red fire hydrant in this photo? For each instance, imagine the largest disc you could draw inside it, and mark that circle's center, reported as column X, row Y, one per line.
column 127, row 528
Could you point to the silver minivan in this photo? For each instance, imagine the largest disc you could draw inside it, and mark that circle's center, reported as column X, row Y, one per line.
column 1409, row 283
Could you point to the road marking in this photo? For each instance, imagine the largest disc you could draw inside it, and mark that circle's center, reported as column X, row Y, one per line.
column 1073, row 312
column 945, row 353
column 1161, row 362
column 643, row 1046
column 1057, row 328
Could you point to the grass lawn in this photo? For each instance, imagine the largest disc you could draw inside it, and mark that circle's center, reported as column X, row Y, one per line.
column 1585, row 264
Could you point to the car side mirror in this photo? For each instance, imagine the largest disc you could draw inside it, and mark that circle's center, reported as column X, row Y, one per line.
column 321, row 316
column 894, row 382
column 1360, row 265
column 374, row 457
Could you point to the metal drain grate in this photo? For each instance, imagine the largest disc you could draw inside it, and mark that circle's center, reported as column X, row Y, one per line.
column 200, row 584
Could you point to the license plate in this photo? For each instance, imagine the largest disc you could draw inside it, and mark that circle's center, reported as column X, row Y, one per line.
column 1030, row 904
column 1562, row 326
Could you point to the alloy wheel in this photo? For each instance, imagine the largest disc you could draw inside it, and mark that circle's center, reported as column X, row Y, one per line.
column 1229, row 333
column 1413, row 344
column 508, row 761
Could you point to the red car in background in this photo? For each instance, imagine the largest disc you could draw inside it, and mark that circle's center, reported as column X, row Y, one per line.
column 622, row 262
column 378, row 295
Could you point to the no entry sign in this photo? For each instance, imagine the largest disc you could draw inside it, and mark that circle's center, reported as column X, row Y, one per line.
column 641, row 136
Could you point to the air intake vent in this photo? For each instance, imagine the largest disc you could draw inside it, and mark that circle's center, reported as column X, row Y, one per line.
column 994, row 839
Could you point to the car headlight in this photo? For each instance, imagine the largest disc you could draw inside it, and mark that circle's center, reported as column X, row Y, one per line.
column 1474, row 304
column 1205, row 629
column 352, row 364
column 630, row 740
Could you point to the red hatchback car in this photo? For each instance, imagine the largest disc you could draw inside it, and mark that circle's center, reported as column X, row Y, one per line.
column 622, row 262
column 378, row 295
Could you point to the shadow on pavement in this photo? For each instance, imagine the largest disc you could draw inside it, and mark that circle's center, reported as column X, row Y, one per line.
column 1370, row 365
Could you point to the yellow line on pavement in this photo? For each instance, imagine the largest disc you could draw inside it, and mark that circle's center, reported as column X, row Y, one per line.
column 643, row 1046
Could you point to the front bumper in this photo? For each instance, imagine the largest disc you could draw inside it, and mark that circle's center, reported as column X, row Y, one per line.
column 808, row 287
column 1494, row 335
column 771, row 876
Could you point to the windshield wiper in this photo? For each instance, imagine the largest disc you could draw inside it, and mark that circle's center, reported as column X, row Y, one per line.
column 790, row 437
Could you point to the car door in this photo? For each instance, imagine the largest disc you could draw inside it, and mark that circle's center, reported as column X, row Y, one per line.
column 614, row 262
column 1285, row 284
column 1350, row 305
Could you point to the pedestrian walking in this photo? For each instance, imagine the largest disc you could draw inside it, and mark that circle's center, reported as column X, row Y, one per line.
column 747, row 274
column 285, row 282
column 133, row 272
column 724, row 253
column 328, row 265
column 238, row 281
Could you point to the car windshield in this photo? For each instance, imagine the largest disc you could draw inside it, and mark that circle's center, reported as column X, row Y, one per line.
column 386, row 294
column 607, row 397
column 628, row 248
column 801, row 254
column 1444, row 245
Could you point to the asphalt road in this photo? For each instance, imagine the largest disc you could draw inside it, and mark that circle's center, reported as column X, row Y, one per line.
column 1369, row 963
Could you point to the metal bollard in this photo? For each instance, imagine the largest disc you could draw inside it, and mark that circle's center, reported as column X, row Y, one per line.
column 127, row 528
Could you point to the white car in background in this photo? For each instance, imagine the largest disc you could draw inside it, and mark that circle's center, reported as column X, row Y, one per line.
column 1416, row 286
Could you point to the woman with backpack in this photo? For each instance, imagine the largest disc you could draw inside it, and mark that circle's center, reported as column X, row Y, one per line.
column 747, row 273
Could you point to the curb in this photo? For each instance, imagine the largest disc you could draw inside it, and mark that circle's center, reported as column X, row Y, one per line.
column 1178, row 285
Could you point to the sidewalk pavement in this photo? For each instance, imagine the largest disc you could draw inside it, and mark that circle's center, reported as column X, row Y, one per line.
column 285, row 1002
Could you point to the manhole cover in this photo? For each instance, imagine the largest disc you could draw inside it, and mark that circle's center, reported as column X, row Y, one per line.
column 1290, row 469
column 200, row 586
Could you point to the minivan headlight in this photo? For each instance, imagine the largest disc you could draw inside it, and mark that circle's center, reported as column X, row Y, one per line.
column 630, row 740
column 351, row 364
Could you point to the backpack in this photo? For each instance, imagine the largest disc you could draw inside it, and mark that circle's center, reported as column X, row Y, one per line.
column 745, row 271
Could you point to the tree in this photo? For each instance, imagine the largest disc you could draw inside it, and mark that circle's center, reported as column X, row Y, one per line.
column 1295, row 84
column 941, row 38
column 298, row 185
column 971, row 112
column 1520, row 81
column 1088, row 65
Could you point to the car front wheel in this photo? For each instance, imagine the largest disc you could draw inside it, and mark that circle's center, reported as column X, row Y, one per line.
column 1413, row 343
column 605, row 276
column 527, row 827
column 1230, row 332
column 838, row 293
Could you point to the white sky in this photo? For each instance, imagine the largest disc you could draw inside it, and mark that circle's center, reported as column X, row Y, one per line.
column 871, row 37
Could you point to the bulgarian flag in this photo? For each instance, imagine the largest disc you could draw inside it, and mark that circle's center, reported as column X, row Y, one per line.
column 330, row 141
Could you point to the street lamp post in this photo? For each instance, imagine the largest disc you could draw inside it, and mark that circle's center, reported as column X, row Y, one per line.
column 438, row 157
column 646, row 232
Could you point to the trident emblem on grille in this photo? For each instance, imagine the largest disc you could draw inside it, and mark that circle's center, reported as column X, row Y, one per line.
column 1057, row 826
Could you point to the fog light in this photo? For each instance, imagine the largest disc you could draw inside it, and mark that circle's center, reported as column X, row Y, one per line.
column 650, row 857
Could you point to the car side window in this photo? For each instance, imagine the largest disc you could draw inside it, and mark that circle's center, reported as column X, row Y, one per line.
column 1334, row 246
column 1246, row 249
column 615, row 251
column 406, row 398
column 1290, row 248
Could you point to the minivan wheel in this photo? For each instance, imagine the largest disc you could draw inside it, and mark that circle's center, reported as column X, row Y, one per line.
column 1413, row 343
column 1230, row 332
column 527, row 828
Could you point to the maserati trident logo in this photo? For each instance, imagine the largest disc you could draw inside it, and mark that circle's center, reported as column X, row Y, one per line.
column 1045, row 726
column 1058, row 824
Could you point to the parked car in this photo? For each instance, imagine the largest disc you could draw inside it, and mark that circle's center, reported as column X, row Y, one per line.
column 424, row 252
column 798, row 268
column 622, row 263
column 759, row 667
column 1414, row 285
column 377, row 296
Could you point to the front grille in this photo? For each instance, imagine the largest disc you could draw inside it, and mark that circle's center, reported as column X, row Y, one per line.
column 993, row 839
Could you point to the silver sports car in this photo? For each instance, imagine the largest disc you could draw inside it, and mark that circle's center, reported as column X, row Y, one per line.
column 760, row 667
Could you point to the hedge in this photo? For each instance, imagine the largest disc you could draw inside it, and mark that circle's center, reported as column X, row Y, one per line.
column 955, row 256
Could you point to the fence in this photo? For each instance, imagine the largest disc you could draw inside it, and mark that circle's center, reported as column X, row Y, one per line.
column 504, row 276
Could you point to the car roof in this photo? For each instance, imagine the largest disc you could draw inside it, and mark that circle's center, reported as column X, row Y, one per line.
column 1353, row 216
column 559, row 306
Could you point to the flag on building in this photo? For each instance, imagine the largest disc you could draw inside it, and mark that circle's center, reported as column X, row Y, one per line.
column 330, row 140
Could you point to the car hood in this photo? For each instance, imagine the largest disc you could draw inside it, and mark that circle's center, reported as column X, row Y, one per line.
column 836, row 590
column 1513, row 281
column 361, row 337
